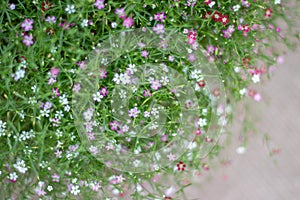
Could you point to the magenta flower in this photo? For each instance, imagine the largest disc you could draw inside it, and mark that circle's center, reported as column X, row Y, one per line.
column 128, row 22
column 28, row 40
column 104, row 91
column 99, row 4
column 27, row 25
column 103, row 73
column 160, row 16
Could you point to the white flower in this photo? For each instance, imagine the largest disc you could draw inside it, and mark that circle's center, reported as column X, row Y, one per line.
column 20, row 166
column 2, row 128
column 97, row 97
column 125, row 128
column 222, row 121
column 75, row 189
column 49, row 188
column 240, row 150
column 136, row 163
column 164, row 80
column 202, row 122
column 146, row 114
column 277, row 2
column 70, row 9
column 157, row 156
column 84, row 23
column 256, row 78
column 63, row 99
column 59, row 114
column 134, row 89
column 243, row 91
column 236, row 8
column 117, row 78
column 196, row 74
column 19, row 74
column 153, row 126
column 154, row 111
column 212, row 4
column 12, row 6
column 13, row 176
column 67, row 108
column 45, row 113
column 237, row 69
column 131, row 68
column 114, row 25
column 122, row 94
column 125, row 78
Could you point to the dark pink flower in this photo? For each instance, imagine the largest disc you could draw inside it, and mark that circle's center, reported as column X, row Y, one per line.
column 128, row 22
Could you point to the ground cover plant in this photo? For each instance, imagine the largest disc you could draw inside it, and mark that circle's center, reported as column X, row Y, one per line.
column 126, row 99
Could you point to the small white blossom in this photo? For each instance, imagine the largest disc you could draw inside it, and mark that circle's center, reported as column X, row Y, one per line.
column 13, row 176
column 256, row 78
column 70, row 9
column 236, row 8
column 202, row 122
column 164, row 80
column 97, row 97
column 84, row 23
column 114, row 25
column 75, row 189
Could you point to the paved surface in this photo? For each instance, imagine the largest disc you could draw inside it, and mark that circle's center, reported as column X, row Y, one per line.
column 255, row 175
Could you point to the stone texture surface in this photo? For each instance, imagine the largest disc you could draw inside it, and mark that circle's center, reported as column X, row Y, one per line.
column 255, row 175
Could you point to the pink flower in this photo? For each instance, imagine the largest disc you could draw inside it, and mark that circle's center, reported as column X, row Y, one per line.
column 257, row 97
column 155, row 85
column 99, row 4
column 133, row 112
column 54, row 72
column 103, row 73
column 121, row 13
column 147, row 93
column 27, row 24
column 76, row 87
column 114, row 125
column 81, row 64
column 28, row 40
column 145, row 53
column 55, row 178
column 128, row 22
column 159, row 29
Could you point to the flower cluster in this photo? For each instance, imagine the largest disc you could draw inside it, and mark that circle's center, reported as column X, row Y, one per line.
column 134, row 110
